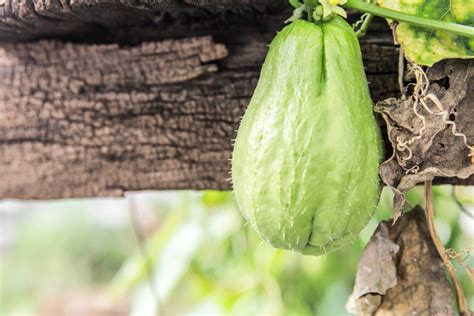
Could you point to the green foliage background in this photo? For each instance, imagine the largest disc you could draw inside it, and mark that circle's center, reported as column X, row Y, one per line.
column 203, row 258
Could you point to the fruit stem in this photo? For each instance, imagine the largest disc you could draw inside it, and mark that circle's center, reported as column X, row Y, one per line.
column 455, row 28
column 309, row 11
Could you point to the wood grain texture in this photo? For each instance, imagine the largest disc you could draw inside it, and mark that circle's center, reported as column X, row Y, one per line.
column 143, row 95
column 105, row 19
column 82, row 120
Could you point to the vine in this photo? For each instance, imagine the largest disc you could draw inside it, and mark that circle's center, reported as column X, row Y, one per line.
column 429, row 213
column 454, row 255
column 455, row 28
column 362, row 25
column 333, row 7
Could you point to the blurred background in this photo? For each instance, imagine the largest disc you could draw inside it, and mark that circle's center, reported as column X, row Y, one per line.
column 183, row 253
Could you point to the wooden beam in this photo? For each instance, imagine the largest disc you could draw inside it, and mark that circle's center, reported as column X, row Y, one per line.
column 79, row 119
column 105, row 20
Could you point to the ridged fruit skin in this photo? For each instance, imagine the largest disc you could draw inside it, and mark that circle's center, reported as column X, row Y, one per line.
column 305, row 160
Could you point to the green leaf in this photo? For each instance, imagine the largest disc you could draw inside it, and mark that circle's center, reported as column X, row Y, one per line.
column 426, row 47
column 297, row 14
column 340, row 11
column 213, row 198
column 295, row 3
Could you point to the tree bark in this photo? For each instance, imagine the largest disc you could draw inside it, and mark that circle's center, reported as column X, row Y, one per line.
column 120, row 108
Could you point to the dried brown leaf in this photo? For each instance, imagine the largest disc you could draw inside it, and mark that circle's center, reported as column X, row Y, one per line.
column 437, row 153
column 376, row 273
column 403, row 249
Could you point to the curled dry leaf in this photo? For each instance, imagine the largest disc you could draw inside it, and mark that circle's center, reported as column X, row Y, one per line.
column 376, row 273
column 382, row 276
column 424, row 150
column 400, row 272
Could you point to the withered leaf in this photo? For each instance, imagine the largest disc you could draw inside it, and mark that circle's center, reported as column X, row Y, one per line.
column 437, row 152
column 407, row 277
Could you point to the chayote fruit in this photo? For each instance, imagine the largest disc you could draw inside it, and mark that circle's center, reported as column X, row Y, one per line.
column 305, row 160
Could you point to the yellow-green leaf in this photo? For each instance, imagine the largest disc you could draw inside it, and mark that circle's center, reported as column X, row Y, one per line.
column 426, row 47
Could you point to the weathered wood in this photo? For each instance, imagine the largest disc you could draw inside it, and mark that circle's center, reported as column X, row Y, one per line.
column 105, row 20
column 80, row 119
column 89, row 120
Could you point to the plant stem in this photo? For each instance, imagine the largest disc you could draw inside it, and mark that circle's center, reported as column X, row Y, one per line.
column 310, row 14
column 365, row 25
column 429, row 213
column 401, row 73
column 459, row 29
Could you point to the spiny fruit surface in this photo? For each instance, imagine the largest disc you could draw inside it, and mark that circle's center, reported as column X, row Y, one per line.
column 306, row 156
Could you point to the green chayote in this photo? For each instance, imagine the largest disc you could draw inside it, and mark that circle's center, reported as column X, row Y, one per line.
column 306, row 156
